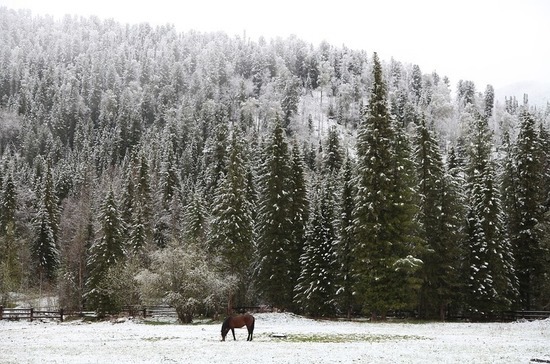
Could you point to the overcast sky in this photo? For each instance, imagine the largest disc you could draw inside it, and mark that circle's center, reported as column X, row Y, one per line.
column 496, row 42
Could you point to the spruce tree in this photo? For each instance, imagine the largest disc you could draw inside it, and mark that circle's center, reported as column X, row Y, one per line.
column 489, row 101
column 107, row 251
column 299, row 208
column 215, row 159
column 333, row 156
column 169, row 184
column 231, row 224
column 128, row 197
column 489, row 267
column 9, row 248
column 196, row 219
column 384, row 210
column 8, row 202
column 529, row 200
column 51, row 202
column 169, row 177
column 45, row 249
column 346, row 243
column 404, row 220
column 138, row 233
column 438, row 216
column 136, row 203
column 316, row 288
column 143, row 192
column 274, row 224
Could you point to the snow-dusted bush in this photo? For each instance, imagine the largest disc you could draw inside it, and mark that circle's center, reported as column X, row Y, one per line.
column 184, row 278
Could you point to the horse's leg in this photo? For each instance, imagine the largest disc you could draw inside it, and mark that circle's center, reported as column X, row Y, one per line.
column 250, row 331
column 233, row 332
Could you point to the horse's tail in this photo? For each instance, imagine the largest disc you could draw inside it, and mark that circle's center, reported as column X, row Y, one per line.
column 253, row 322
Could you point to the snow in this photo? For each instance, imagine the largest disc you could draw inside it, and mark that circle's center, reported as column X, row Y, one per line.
column 278, row 338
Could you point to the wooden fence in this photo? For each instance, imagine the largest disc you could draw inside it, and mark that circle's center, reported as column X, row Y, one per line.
column 168, row 311
column 504, row 316
column 158, row 311
column 163, row 311
column 30, row 314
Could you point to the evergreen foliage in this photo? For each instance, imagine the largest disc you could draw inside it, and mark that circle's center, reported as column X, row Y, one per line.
column 104, row 254
column 384, row 209
column 346, row 245
column 219, row 145
column 45, row 250
column 490, row 271
column 316, row 289
column 439, row 217
column 10, row 269
column 276, row 248
column 232, row 224
column 528, row 202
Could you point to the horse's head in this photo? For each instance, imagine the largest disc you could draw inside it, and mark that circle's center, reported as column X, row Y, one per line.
column 225, row 328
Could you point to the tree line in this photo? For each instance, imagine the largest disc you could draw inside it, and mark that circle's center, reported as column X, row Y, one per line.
column 141, row 165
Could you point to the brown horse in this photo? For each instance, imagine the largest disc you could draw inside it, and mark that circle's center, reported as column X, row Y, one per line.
column 233, row 322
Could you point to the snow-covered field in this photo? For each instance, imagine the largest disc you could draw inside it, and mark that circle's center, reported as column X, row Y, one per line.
column 307, row 341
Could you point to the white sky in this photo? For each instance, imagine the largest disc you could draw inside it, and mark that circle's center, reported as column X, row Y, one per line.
column 487, row 41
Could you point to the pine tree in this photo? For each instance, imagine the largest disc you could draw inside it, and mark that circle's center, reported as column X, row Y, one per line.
column 274, row 225
column 104, row 254
column 383, row 209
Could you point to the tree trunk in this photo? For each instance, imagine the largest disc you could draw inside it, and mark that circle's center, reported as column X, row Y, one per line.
column 230, row 301
column 184, row 316
column 442, row 311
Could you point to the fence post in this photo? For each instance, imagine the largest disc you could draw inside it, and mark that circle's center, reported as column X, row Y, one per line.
column 32, row 312
column 61, row 314
column 1, row 312
column 144, row 312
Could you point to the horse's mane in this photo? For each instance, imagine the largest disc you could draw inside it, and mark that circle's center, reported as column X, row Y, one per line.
column 226, row 322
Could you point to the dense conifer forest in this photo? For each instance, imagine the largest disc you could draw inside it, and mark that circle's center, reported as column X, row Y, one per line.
column 141, row 165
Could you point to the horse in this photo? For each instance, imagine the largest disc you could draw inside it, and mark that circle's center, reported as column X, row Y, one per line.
column 238, row 321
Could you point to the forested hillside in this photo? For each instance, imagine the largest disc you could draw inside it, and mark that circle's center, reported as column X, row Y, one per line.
column 142, row 165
